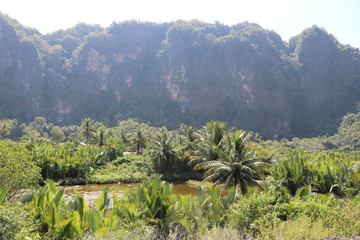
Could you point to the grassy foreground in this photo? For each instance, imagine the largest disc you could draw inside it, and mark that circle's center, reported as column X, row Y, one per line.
column 153, row 212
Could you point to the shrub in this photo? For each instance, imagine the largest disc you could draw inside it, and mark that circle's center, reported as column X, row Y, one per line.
column 17, row 170
column 300, row 228
column 130, row 168
column 16, row 223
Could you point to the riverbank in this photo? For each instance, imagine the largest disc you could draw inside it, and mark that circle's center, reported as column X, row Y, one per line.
column 127, row 169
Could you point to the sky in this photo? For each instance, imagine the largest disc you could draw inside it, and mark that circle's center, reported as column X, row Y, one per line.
column 286, row 17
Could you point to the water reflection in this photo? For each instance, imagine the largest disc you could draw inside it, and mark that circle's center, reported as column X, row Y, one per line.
column 91, row 192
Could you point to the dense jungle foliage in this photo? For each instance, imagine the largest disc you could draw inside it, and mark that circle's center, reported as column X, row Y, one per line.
column 298, row 189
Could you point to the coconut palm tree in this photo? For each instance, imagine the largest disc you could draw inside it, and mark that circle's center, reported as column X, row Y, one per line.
column 140, row 141
column 101, row 137
column 207, row 139
column 87, row 129
column 187, row 135
column 186, row 138
column 235, row 163
column 185, row 146
column 163, row 153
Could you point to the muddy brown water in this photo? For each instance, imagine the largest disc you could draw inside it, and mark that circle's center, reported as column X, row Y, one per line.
column 91, row 192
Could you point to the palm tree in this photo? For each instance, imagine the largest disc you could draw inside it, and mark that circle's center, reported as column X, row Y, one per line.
column 235, row 163
column 124, row 137
column 293, row 173
column 152, row 201
column 87, row 129
column 214, row 132
column 187, row 137
column 140, row 141
column 101, row 137
column 163, row 153
column 207, row 139
column 185, row 147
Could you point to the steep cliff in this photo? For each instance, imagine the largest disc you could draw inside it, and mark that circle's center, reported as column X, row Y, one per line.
column 328, row 82
column 236, row 77
column 185, row 71
column 19, row 74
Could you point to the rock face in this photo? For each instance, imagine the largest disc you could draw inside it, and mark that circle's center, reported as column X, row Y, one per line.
column 186, row 71
column 328, row 80
column 19, row 74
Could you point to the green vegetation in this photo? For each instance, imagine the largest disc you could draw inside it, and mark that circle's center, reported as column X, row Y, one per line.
column 18, row 171
column 165, row 74
column 127, row 169
column 16, row 222
column 231, row 162
column 153, row 212
column 260, row 189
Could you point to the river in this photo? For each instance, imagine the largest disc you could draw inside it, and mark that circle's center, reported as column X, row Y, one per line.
column 91, row 192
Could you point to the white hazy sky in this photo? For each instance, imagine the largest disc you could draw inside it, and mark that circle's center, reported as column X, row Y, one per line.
column 287, row 17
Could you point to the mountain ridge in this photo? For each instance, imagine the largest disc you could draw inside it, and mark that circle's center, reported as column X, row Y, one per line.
column 184, row 71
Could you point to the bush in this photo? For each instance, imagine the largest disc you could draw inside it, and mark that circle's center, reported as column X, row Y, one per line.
column 16, row 223
column 137, row 230
column 300, row 228
column 217, row 233
column 266, row 216
column 244, row 213
column 348, row 224
column 127, row 169
column 17, row 170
